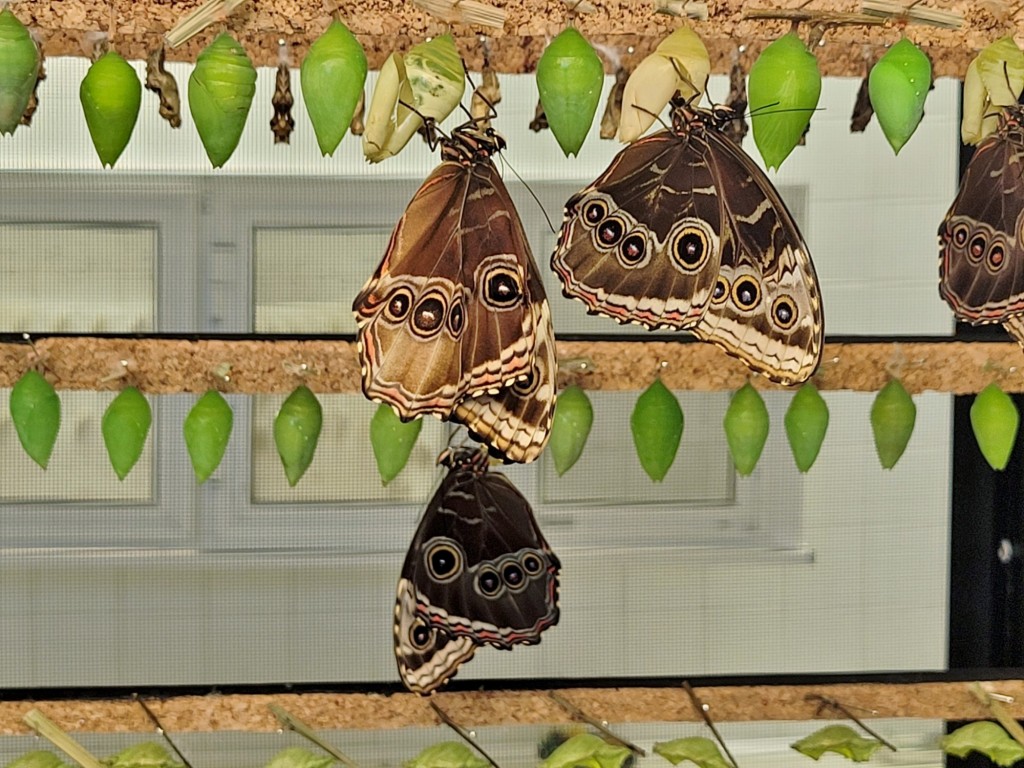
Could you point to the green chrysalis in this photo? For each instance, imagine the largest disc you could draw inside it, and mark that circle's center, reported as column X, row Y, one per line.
column 746, row 428
column 570, row 76
column 111, row 94
column 783, row 89
column 35, row 411
column 148, row 754
column 207, row 429
column 220, row 93
column 589, row 750
column 994, row 419
column 19, row 68
column 300, row 757
column 392, row 441
column 698, row 750
column 841, row 739
column 125, row 426
column 570, row 427
column 296, row 432
column 892, row 422
column 657, row 426
column 447, row 754
column 806, row 424
column 898, row 85
column 332, row 78
column 988, row 738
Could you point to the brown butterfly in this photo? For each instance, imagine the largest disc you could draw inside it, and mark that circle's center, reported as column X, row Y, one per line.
column 455, row 321
column 684, row 231
column 478, row 573
column 981, row 239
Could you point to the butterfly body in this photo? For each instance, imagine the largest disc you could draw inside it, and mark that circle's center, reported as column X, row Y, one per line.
column 451, row 322
column 981, row 238
column 683, row 231
column 479, row 572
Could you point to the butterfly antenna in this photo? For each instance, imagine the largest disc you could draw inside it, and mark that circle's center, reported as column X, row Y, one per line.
column 532, row 194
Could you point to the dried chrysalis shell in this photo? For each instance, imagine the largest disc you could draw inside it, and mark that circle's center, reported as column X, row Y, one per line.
column 163, row 84
column 282, row 123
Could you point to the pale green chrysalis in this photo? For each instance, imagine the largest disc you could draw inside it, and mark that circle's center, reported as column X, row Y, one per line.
column 19, row 68
column 125, row 427
column 699, row 750
column 985, row 737
column 447, row 754
column 840, row 739
column 220, row 93
column 995, row 419
column 392, row 441
column 207, row 429
column 297, row 432
column 35, row 411
column 300, row 757
column 111, row 94
column 893, row 415
column 783, row 89
column 657, row 426
column 570, row 427
column 589, row 750
column 898, row 85
column 332, row 78
column 746, row 428
column 806, row 424
column 570, row 76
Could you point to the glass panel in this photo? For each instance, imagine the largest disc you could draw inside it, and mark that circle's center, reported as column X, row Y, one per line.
column 79, row 468
column 305, row 279
column 77, row 279
column 344, row 469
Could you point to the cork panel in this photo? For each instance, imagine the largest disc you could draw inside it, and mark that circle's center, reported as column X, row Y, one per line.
column 136, row 27
column 162, row 366
column 215, row 712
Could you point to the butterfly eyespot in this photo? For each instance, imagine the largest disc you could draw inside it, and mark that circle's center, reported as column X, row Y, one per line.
column 444, row 561
column 610, row 232
column 502, row 288
column 746, row 293
column 526, row 385
column 532, row 564
column 595, row 212
column 488, row 582
column 960, row 234
column 976, row 250
column 428, row 315
column 633, row 249
column 689, row 248
column 721, row 291
column 419, row 635
column 784, row 313
column 398, row 305
column 996, row 257
column 513, row 576
column 456, row 319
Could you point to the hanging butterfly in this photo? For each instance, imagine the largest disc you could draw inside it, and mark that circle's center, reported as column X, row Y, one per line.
column 981, row 239
column 478, row 572
column 455, row 321
column 684, row 231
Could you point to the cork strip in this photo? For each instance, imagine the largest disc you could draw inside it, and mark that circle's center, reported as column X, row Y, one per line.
column 137, row 26
column 248, row 712
column 162, row 366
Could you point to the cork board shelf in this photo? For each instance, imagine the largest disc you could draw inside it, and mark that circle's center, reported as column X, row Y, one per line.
column 162, row 366
column 946, row 701
column 137, row 26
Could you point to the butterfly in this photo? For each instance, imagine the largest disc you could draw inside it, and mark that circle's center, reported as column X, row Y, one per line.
column 981, row 239
column 455, row 322
column 684, row 231
column 478, row 572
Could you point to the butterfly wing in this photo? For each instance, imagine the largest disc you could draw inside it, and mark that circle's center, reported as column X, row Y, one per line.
column 981, row 269
column 478, row 572
column 766, row 306
column 515, row 423
column 447, row 312
column 640, row 244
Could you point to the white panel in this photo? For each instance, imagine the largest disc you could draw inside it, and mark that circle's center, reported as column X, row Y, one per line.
column 79, row 469
column 63, row 278
column 343, row 469
column 305, row 279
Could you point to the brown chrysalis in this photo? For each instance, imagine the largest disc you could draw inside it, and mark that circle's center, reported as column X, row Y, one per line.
column 163, row 84
column 282, row 123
